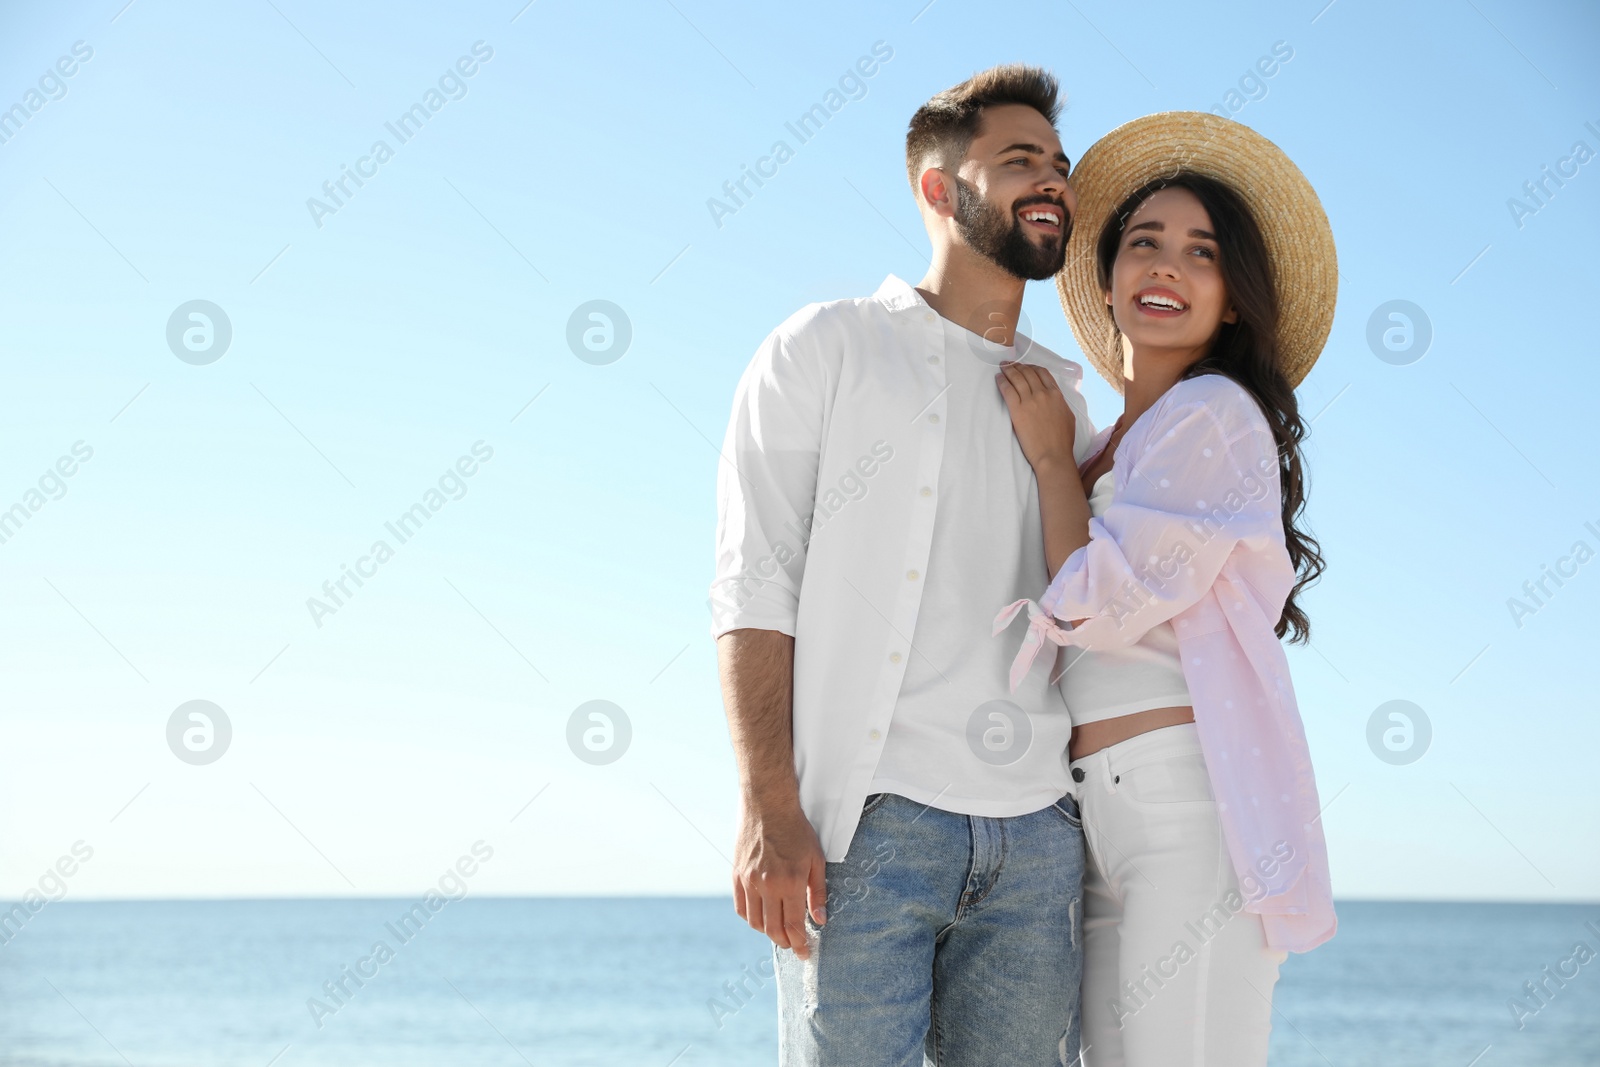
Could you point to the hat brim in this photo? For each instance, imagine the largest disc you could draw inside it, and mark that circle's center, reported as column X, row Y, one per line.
column 1299, row 239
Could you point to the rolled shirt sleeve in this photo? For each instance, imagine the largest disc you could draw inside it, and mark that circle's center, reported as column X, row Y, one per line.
column 766, row 485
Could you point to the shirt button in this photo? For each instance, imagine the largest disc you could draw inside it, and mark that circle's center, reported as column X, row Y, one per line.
column 934, row 417
column 875, row 735
column 894, row 657
column 927, row 316
column 933, row 359
column 911, row 576
column 927, row 491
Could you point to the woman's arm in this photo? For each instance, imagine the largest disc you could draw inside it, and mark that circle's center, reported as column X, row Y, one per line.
column 1064, row 510
column 1204, row 480
column 1203, row 483
column 1045, row 427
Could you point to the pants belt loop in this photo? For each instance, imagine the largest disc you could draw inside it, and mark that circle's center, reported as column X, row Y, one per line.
column 1105, row 770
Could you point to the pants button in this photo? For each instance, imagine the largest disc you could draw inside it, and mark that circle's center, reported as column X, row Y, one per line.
column 1077, row 774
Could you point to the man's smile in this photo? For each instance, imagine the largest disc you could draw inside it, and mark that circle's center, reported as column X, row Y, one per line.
column 1046, row 218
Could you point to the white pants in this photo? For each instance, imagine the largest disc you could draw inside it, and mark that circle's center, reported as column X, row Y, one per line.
column 1175, row 973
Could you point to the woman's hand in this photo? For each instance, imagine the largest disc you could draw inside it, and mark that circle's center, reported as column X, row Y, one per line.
column 1044, row 424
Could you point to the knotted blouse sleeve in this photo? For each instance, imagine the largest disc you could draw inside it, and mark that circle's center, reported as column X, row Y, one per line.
column 1201, row 487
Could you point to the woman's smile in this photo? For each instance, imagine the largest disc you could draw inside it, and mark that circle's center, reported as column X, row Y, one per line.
column 1159, row 302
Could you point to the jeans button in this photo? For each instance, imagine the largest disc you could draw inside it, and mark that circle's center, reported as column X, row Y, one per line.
column 1077, row 774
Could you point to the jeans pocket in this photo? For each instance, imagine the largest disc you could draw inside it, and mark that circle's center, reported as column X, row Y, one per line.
column 1067, row 807
column 1167, row 782
column 873, row 803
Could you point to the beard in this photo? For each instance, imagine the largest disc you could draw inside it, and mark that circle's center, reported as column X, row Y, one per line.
column 1000, row 238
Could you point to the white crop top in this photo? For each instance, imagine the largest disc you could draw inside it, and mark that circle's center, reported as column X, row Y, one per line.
column 1103, row 684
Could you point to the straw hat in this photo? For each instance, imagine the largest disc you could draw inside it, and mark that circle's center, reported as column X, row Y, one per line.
column 1285, row 207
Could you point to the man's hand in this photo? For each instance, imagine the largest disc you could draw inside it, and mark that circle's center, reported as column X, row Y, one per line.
column 778, row 863
column 1043, row 421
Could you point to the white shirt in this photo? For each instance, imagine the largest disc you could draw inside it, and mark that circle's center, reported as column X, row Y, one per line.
column 829, row 502
column 1105, row 683
column 958, row 740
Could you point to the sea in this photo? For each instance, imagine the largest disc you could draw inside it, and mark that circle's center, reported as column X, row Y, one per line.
column 680, row 982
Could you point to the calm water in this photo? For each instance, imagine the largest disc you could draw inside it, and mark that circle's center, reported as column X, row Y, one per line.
column 542, row 981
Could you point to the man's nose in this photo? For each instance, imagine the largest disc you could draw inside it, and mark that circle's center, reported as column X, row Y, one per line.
column 1069, row 198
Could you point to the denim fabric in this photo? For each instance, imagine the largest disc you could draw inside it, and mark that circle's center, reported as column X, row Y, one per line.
column 951, row 937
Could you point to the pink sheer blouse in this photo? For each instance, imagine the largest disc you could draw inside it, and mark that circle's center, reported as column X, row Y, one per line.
column 1194, row 535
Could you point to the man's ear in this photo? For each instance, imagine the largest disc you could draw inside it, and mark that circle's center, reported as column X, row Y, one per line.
column 938, row 192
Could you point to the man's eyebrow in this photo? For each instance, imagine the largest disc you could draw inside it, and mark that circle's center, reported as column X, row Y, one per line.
column 1159, row 227
column 1038, row 150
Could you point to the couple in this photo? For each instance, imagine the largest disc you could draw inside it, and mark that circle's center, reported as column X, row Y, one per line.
column 961, row 859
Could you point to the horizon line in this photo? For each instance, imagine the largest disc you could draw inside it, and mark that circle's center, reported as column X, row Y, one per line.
column 8, row 902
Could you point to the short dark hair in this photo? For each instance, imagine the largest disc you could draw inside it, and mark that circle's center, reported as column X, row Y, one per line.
column 942, row 129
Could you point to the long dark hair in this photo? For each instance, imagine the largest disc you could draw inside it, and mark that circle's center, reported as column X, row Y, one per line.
column 1245, row 351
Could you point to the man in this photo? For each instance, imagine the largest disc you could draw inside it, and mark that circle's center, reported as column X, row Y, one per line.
column 907, row 836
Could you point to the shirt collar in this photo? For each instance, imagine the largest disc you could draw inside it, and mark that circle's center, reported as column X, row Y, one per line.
column 897, row 295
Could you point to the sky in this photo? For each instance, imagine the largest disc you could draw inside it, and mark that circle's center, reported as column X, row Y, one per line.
column 223, row 378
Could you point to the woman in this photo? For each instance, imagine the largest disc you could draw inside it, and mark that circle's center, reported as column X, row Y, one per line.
column 1200, row 280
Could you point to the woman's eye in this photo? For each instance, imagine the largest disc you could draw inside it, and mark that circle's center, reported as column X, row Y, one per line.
column 1140, row 240
column 1206, row 252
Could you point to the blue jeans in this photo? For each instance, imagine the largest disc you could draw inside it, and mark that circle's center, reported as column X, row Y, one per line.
column 951, row 937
